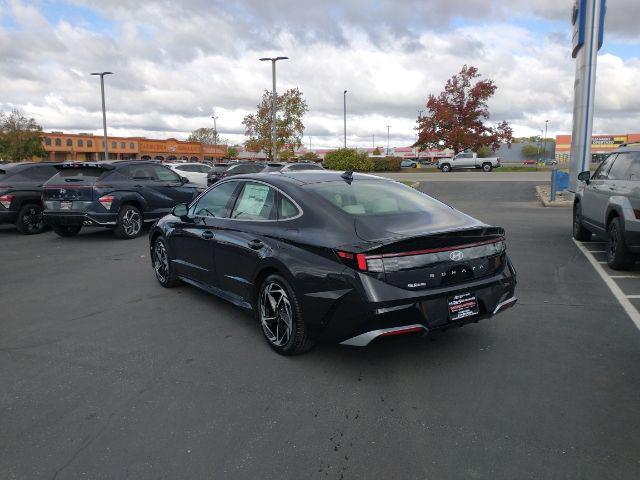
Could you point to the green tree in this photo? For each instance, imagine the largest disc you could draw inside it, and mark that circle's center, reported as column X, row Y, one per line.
column 290, row 108
column 20, row 137
column 232, row 152
column 312, row 156
column 484, row 151
column 531, row 151
column 208, row 136
column 457, row 116
column 286, row 155
column 377, row 151
column 348, row 159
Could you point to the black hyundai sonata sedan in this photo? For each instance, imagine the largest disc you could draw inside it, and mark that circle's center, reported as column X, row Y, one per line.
column 330, row 256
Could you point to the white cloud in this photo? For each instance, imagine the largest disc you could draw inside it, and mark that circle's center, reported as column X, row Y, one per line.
column 173, row 68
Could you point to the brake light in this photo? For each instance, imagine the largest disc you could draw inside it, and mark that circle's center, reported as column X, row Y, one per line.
column 106, row 201
column 637, row 214
column 5, row 200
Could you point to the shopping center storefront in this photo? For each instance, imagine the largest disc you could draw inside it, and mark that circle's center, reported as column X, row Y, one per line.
column 601, row 145
column 87, row 147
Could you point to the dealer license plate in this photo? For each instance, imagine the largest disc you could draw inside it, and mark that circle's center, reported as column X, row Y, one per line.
column 462, row 306
column 66, row 205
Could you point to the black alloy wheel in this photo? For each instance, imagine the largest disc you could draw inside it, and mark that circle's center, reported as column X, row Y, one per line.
column 618, row 255
column 30, row 220
column 579, row 232
column 445, row 168
column 280, row 317
column 162, row 264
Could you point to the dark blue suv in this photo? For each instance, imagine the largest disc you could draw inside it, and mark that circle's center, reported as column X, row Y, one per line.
column 121, row 195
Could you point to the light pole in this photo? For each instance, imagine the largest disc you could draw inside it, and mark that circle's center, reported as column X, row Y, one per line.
column 104, row 112
column 309, row 143
column 373, row 140
column 215, row 129
column 274, row 152
column 388, row 128
column 344, row 97
column 544, row 148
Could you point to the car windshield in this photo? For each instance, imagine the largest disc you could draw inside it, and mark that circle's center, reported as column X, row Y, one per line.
column 367, row 198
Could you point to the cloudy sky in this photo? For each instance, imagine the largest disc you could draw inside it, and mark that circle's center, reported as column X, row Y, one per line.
column 178, row 61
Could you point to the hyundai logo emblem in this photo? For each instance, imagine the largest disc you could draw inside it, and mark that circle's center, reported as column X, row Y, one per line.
column 456, row 255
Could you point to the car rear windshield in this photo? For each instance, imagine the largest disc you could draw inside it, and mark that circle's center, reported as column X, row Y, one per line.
column 367, row 198
column 220, row 167
column 86, row 172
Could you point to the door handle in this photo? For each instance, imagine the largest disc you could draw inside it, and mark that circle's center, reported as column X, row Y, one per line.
column 207, row 235
column 137, row 186
column 256, row 244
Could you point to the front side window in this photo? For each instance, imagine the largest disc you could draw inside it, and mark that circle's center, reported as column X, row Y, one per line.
column 634, row 167
column 620, row 168
column 163, row 174
column 139, row 172
column 256, row 202
column 216, row 202
column 602, row 171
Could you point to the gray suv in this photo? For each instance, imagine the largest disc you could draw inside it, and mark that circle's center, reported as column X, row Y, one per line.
column 608, row 204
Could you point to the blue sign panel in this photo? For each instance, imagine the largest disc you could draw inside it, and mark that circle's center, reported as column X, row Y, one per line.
column 579, row 21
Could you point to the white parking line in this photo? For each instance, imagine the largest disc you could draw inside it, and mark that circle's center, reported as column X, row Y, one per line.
column 613, row 286
column 624, row 276
column 633, row 296
column 598, row 251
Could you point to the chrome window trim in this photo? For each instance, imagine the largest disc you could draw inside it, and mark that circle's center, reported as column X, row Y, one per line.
column 245, row 180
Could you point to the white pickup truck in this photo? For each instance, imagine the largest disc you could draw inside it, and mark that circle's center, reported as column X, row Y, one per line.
column 467, row 160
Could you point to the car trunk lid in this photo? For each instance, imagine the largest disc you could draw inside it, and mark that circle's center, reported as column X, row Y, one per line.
column 75, row 182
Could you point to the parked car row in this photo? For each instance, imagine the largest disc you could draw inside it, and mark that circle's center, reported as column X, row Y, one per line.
column 122, row 195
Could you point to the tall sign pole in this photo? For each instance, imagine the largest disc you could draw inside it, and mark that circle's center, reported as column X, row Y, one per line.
column 588, row 33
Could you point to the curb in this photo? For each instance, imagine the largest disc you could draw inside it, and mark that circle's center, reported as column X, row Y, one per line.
column 548, row 203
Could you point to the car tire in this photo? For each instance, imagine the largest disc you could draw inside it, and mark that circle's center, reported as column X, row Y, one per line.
column 30, row 221
column 275, row 302
column 162, row 265
column 579, row 232
column 414, row 165
column 487, row 167
column 618, row 255
column 67, row 230
column 129, row 223
column 445, row 168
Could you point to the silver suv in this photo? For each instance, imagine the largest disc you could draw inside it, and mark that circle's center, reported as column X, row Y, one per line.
column 608, row 204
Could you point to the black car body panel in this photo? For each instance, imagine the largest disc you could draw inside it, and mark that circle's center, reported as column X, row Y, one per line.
column 22, row 184
column 72, row 196
column 316, row 251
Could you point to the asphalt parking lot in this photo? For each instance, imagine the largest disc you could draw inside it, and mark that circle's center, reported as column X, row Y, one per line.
column 105, row 374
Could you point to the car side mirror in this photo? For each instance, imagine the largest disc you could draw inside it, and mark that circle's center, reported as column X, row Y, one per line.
column 184, row 179
column 585, row 177
column 181, row 210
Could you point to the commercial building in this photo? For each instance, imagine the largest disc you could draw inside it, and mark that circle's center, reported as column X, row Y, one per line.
column 601, row 145
column 87, row 147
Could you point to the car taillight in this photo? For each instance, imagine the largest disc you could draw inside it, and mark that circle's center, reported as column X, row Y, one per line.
column 106, row 201
column 360, row 261
column 5, row 200
column 635, row 212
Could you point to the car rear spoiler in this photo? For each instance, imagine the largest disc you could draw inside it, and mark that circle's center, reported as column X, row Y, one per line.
column 71, row 165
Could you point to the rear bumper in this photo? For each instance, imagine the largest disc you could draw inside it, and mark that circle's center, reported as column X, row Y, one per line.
column 80, row 218
column 8, row 216
column 354, row 321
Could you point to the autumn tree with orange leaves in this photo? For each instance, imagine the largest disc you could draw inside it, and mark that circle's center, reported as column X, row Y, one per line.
column 456, row 117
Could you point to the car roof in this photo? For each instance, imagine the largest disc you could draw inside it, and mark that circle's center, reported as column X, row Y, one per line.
column 628, row 147
column 306, row 177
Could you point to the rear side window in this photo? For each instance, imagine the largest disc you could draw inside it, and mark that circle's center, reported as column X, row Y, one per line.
column 255, row 202
column 373, row 198
column 215, row 202
column 602, row 171
column 287, row 209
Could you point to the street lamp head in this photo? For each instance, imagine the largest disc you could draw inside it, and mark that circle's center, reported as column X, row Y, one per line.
column 345, row 92
column 282, row 58
column 102, row 73
column 264, row 59
column 275, row 59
